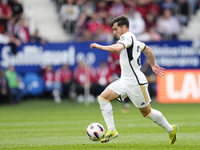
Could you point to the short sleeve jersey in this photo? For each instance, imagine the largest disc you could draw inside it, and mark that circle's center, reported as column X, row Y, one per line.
column 130, row 60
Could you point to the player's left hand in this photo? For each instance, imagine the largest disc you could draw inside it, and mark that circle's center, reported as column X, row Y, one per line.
column 158, row 70
column 95, row 45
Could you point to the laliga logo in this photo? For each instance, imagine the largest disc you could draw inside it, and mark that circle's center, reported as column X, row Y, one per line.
column 189, row 86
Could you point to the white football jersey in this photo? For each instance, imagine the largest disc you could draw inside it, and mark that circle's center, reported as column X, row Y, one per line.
column 130, row 60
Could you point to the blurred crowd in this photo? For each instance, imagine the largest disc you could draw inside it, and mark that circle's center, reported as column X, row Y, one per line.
column 62, row 82
column 150, row 20
column 89, row 20
column 14, row 27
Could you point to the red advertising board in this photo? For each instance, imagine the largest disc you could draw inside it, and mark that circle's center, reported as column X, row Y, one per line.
column 179, row 86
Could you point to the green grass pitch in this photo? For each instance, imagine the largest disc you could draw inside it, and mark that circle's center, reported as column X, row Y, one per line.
column 45, row 125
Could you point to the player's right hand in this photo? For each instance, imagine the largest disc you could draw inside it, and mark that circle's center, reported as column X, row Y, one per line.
column 94, row 45
column 158, row 70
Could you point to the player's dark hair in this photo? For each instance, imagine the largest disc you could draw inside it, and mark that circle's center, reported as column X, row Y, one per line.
column 121, row 20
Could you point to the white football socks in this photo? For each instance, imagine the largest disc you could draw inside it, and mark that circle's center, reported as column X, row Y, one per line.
column 155, row 116
column 160, row 120
column 107, row 112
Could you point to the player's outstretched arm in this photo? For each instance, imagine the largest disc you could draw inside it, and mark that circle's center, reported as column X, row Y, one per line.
column 115, row 48
column 156, row 69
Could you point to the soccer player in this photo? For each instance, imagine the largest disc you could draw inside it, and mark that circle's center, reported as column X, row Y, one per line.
column 132, row 82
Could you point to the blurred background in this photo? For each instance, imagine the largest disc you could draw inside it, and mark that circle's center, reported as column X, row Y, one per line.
column 44, row 50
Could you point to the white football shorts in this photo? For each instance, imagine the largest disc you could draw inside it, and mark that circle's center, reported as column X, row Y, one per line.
column 138, row 94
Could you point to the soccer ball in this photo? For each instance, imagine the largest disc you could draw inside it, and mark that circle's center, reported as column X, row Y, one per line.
column 95, row 131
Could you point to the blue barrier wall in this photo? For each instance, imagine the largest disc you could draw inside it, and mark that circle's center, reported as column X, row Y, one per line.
column 176, row 54
column 30, row 57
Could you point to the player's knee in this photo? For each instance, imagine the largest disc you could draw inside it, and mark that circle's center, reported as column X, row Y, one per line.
column 100, row 98
column 146, row 113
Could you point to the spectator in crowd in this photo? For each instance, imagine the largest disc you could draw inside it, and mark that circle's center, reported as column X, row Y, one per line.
column 10, row 26
column 102, row 9
column 14, row 85
column 88, row 36
column 5, row 14
column 104, row 33
column 151, row 21
column 155, row 36
column 14, row 43
column 85, row 79
column 169, row 4
column 143, row 8
column 9, row 39
column 130, row 4
column 149, row 35
column 183, row 12
column 17, row 8
column 81, row 25
column 65, row 77
column 103, row 76
column 168, row 26
column 80, row 4
column 69, row 14
column 155, row 8
column 36, row 38
column 51, row 85
column 144, row 36
column 17, row 13
column 136, row 22
column 4, row 39
column 91, row 29
column 197, row 5
column 4, row 88
column 86, row 6
column 21, row 30
column 101, row 35
column 117, row 8
column 93, row 25
column 108, row 30
column 58, row 4
column 146, row 7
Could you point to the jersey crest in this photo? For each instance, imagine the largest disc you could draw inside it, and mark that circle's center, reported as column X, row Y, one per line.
column 122, row 38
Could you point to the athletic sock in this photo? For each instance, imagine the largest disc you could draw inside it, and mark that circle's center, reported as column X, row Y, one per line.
column 157, row 117
column 107, row 112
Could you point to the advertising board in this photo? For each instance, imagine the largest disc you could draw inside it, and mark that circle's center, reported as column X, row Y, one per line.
column 179, row 86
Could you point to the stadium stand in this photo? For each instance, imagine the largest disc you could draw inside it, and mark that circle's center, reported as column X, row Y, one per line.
column 52, row 28
column 43, row 17
column 192, row 31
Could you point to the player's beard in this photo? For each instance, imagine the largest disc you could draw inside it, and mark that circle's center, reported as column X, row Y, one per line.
column 121, row 33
